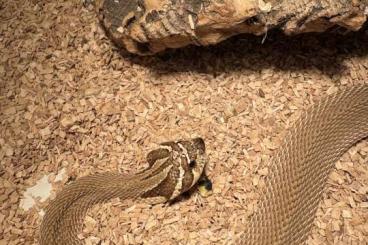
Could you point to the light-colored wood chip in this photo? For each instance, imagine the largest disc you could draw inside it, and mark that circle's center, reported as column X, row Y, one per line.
column 69, row 100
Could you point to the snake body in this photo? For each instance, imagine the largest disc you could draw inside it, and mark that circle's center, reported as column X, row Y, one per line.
column 300, row 168
column 298, row 174
column 173, row 169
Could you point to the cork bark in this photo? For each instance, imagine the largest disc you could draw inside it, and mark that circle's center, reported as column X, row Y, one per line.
column 149, row 26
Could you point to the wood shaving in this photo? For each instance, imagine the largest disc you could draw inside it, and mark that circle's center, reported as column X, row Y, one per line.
column 69, row 100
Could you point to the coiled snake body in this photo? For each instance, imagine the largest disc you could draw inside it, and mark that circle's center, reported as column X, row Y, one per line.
column 294, row 187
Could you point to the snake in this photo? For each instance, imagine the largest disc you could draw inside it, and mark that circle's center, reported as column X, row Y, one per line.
column 285, row 212
column 174, row 167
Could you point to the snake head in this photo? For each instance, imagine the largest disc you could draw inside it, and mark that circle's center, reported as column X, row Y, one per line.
column 187, row 160
column 194, row 152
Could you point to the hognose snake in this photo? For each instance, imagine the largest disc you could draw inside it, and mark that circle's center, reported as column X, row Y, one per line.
column 286, row 211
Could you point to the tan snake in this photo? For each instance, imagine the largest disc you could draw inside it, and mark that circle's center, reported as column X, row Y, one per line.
column 286, row 211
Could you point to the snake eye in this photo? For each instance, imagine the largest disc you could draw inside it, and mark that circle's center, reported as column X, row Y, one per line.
column 192, row 163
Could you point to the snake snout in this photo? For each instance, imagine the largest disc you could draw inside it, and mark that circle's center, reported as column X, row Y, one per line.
column 199, row 144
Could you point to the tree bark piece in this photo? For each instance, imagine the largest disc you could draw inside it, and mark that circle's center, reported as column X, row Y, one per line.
column 149, row 26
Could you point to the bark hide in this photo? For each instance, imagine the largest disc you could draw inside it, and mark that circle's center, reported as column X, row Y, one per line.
column 149, row 26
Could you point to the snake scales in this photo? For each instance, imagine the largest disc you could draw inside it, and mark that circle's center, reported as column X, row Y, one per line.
column 286, row 211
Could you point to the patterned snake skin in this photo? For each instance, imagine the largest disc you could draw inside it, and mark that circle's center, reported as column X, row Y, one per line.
column 174, row 168
column 286, row 211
